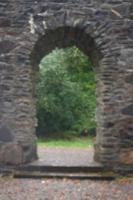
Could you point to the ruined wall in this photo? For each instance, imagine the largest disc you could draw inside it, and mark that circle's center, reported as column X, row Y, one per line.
column 110, row 24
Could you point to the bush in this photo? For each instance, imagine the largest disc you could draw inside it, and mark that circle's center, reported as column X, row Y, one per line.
column 65, row 92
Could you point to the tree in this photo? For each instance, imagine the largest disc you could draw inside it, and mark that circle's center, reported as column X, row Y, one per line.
column 65, row 92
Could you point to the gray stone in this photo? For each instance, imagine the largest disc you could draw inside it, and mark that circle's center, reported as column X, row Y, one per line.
column 5, row 22
column 128, row 110
column 13, row 154
column 129, row 79
column 6, row 46
column 5, row 134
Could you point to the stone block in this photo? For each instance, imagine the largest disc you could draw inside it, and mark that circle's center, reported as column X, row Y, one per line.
column 128, row 110
column 127, row 157
column 6, row 46
column 12, row 154
column 5, row 134
column 129, row 79
column 5, row 22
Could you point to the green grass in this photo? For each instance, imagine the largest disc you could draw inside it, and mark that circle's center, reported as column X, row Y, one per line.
column 66, row 140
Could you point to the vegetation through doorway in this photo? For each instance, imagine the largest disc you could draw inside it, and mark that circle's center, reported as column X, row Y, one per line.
column 66, row 100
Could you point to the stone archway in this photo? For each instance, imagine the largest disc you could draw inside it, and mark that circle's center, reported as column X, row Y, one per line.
column 97, row 38
column 85, row 37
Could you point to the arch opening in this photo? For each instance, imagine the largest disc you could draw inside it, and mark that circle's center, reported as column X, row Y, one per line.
column 66, row 100
column 62, row 38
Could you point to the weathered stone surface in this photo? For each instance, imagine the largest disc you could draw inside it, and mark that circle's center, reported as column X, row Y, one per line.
column 128, row 110
column 5, row 22
column 127, row 157
column 13, row 154
column 103, row 30
column 5, row 134
column 129, row 79
column 6, row 46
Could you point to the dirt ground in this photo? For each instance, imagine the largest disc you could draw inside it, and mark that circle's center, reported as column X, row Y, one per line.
column 65, row 157
column 65, row 189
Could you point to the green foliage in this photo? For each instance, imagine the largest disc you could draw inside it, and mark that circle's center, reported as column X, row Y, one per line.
column 66, row 92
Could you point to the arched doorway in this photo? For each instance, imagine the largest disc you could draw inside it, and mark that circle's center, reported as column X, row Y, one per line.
column 63, row 37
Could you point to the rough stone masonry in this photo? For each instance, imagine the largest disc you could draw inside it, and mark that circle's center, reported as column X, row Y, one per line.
column 103, row 30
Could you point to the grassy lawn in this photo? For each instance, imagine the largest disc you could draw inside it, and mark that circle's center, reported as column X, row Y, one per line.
column 64, row 140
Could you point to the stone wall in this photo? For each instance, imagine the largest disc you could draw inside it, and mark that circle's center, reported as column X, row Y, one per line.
column 101, row 29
